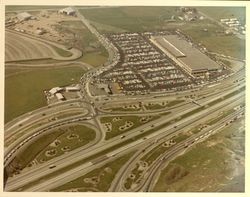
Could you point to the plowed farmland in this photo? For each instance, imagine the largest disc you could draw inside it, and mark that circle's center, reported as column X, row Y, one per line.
column 19, row 47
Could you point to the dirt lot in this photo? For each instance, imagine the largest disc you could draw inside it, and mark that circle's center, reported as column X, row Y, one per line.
column 46, row 21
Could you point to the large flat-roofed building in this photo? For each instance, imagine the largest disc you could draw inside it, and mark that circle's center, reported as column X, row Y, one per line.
column 185, row 54
column 24, row 16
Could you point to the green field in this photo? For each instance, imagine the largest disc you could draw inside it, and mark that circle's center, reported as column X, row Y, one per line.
column 84, row 133
column 103, row 175
column 24, row 91
column 93, row 52
column 29, row 7
column 129, row 18
column 94, row 58
column 209, row 166
column 225, row 12
column 216, row 42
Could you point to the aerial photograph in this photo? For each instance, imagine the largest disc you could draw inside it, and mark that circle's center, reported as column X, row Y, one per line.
column 105, row 98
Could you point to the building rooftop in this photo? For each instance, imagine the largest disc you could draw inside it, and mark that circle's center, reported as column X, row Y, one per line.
column 67, row 10
column 186, row 53
column 24, row 16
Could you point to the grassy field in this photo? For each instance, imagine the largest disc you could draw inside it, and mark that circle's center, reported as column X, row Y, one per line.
column 24, row 91
column 84, row 133
column 211, row 165
column 93, row 52
column 94, row 58
column 213, row 39
column 29, row 7
column 37, row 61
column 129, row 18
column 116, row 124
column 222, row 12
column 104, row 176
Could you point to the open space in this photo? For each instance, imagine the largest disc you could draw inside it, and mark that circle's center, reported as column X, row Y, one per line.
column 20, row 86
column 20, row 48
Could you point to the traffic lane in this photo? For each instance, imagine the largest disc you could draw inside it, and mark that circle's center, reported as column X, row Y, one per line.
column 35, row 120
column 39, row 110
column 14, row 148
column 33, row 115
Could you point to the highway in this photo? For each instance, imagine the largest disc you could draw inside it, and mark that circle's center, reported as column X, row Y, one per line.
column 150, row 176
column 102, row 146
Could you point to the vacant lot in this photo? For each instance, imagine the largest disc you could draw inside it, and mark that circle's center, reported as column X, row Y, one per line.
column 18, row 47
column 213, row 165
column 24, row 89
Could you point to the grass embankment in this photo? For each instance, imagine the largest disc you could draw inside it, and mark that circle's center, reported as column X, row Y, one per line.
column 24, row 91
column 80, row 136
column 37, row 149
column 61, row 51
column 99, row 179
column 30, row 152
column 212, row 165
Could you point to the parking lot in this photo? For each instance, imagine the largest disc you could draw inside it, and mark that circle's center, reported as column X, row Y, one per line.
column 143, row 67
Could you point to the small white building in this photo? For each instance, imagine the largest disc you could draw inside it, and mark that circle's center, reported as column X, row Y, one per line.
column 59, row 96
column 40, row 31
column 55, row 90
column 72, row 89
column 24, row 16
column 68, row 11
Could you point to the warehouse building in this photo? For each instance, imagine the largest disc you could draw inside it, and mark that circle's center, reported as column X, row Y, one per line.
column 188, row 57
column 24, row 16
column 67, row 11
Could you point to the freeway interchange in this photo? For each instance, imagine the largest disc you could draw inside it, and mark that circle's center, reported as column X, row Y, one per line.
column 201, row 105
column 101, row 145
